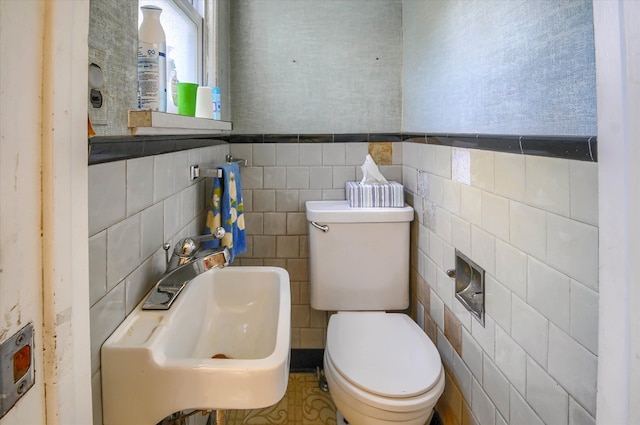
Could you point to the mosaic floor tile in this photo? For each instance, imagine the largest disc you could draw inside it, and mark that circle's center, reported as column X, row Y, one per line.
column 303, row 404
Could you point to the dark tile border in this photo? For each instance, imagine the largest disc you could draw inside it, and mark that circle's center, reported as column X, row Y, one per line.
column 106, row 149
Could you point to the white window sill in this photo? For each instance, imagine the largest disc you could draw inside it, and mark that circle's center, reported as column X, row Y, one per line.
column 161, row 123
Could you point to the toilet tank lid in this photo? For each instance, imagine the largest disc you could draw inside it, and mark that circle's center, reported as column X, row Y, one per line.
column 341, row 212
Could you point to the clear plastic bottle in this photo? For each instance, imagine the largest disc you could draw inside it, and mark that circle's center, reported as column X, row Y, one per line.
column 172, row 83
column 152, row 61
column 217, row 114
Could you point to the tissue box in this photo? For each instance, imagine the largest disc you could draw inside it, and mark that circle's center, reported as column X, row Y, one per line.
column 375, row 195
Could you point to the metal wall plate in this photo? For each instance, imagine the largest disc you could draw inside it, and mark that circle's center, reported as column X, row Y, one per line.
column 470, row 285
column 17, row 371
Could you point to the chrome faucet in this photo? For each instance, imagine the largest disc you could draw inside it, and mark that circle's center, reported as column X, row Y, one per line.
column 187, row 262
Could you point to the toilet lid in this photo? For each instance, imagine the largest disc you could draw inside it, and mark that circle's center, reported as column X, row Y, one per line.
column 383, row 353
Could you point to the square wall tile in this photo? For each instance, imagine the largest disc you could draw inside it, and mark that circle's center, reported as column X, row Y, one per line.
column 497, row 301
column 583, row 179
column 528, row 229
column 287, row 154
column 342, row 175
column 139, row 184
column 548, row 291
column 252, row 177
column 274, row 177
column 584, row 316
column 483, row 249
column 496, row 385
column 242, row 150
column 172, row 215
column 548, row 399
column 482, row 169
column 264, row 154
column 578, row 415
column 510, row 176
column 356, row 153
column 138, row 284
column 572, row 248
column 381, row 152
column 481, row 405
column 107, row 195
column 511, row 360
column 275, row 223
column 530, row 329
column 574, row 367
column 333, row 154
column 461, row 234
column 310, row 154
column 495, row 215
column 461, row 166
column 123, row 249
column 287, row 200
column 485, row 335
column 152, row 228
column 163, row 177
column 548, row 184
column 442, row 166
column 520, row 412
column 472, row 354
column 97, row 266
column 298, row 178
column 471, row 204
column 511, row 268
column 264, row 200
column 105, row 316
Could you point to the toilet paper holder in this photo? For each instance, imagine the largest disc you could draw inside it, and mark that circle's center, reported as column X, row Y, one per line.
column 469, row 285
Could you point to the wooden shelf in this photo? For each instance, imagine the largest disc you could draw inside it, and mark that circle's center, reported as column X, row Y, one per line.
column 161, row 123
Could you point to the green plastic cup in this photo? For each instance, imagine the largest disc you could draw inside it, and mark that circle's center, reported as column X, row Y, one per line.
column 187, row 98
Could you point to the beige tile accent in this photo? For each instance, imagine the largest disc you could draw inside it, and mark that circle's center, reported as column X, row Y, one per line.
column 453, row 330
column 381, row 152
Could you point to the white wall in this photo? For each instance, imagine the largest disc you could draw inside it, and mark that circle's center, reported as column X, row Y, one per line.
column 618, row 56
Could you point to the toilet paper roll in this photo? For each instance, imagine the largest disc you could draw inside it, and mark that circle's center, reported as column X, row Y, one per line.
column 204, row 104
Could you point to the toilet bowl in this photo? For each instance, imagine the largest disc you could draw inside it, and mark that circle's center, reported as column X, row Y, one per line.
column 382, row 369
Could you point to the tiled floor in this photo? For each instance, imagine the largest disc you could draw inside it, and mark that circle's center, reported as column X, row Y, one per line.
column 303, row 404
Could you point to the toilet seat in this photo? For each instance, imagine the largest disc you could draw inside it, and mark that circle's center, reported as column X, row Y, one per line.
column 385, row 355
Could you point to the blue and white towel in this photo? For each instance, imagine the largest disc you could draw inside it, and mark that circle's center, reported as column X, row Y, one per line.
column 227, row 210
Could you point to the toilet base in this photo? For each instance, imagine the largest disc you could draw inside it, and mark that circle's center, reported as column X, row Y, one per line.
column 340, row 419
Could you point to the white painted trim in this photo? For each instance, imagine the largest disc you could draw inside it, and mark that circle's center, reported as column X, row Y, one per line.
column 617, row 42
column 66, row 345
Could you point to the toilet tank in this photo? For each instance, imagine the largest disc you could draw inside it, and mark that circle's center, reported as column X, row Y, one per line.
column 358, row 257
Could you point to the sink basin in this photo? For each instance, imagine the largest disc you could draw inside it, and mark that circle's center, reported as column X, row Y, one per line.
column 223, row 344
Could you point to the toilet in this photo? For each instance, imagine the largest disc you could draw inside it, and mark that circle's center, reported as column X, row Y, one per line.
column 380, row 366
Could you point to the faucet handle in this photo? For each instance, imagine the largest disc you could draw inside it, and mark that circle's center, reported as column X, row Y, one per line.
column 187, row 247
column 217, row 233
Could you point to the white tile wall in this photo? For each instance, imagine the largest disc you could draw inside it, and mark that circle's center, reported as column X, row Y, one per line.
column 531, row 222
column 539, row 250
column 280, row 179
column 134, row 207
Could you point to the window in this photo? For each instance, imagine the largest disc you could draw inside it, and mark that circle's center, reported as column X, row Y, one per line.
column 182, row 21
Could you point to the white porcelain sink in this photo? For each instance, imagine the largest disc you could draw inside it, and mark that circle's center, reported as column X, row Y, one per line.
column 160, row 362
